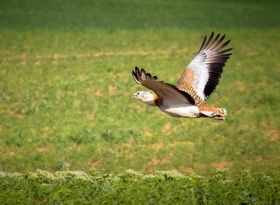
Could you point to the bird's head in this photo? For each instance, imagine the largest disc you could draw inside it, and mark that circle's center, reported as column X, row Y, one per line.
column 145, row 96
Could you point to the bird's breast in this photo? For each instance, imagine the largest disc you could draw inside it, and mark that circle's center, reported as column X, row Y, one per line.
column 185, row 110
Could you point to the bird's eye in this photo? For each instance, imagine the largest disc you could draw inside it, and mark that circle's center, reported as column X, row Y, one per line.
column 138, row 93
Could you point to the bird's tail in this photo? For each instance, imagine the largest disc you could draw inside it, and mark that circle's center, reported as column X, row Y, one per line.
column 213, row 111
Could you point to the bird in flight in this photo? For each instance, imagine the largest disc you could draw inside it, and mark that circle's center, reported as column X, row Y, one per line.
column 199, row 79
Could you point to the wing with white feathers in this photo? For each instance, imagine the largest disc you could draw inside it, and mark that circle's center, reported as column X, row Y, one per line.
column 203, row 73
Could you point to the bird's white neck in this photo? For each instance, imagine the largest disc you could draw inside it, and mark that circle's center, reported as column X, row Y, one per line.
column 150, row 99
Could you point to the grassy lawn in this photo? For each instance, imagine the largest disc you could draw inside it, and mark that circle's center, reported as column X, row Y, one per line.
column 66, row 86
column 68, row 187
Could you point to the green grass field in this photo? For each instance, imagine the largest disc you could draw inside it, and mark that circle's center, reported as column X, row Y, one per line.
column 66, row 86
column 131, row 187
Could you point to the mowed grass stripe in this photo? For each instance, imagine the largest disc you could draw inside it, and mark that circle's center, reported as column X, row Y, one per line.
column 23, row 58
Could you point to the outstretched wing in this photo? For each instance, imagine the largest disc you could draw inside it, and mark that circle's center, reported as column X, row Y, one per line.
column 162, row 89
column 204, row 71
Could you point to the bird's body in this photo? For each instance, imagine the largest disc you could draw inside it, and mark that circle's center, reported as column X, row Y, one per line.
column 181, row 110
column 199, row 79
column 178, row 106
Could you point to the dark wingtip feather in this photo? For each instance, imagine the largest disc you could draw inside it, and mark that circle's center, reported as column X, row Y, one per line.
column 225, row 43
column 209, row 40
column 135, row 77
column 216, row 38
column 140, row 75
column 203, row 43
column 222, row 38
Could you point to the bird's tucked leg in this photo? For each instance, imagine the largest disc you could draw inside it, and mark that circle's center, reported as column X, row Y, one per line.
column 212, row 111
